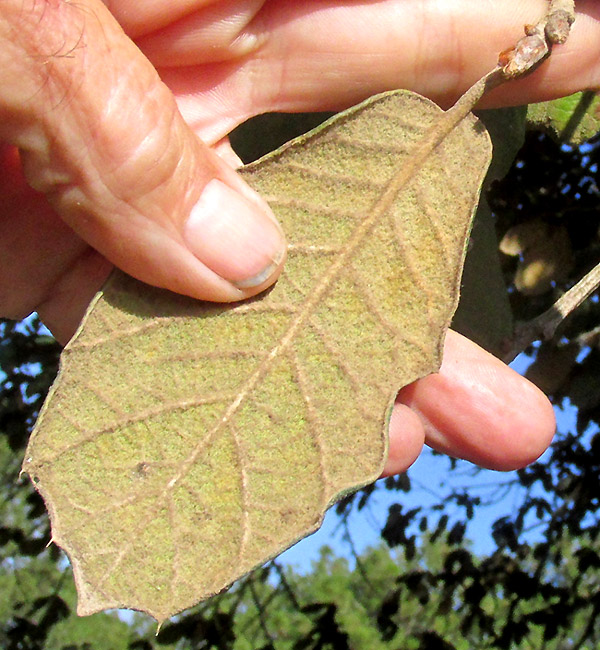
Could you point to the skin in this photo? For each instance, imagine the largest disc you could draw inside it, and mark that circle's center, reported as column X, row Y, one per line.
column 114, row 118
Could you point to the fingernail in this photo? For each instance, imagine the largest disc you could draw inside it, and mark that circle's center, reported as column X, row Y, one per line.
column 237, row 239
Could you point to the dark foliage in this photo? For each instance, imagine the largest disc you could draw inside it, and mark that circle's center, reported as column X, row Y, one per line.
column 29, row 362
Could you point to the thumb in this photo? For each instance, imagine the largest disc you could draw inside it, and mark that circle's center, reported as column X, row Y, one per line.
column 101, row 137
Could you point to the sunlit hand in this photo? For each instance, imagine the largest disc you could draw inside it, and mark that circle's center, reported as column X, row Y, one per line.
column 138, row 173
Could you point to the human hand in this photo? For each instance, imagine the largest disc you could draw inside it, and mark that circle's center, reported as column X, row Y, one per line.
column 102, row 141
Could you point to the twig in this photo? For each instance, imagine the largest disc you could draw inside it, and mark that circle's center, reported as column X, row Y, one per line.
column 561, row 15
column 536, row 45
column 518, row 61
column 590, row 338
column 544, row 326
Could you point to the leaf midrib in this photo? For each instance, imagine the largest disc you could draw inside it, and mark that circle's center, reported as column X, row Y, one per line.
column 444, row 125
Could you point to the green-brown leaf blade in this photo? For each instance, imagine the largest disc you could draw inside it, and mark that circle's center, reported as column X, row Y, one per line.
column 185, row 443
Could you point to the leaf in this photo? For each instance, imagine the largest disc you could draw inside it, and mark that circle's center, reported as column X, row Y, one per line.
column 484, row 314
column 185, row 443
column 507, row 128
column 571, row 119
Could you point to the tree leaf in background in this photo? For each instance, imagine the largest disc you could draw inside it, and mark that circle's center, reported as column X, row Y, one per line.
column 484, row 314
column 571, row 119
column 185, row 443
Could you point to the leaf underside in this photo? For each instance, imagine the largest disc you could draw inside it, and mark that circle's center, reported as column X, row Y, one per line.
column 185, row 443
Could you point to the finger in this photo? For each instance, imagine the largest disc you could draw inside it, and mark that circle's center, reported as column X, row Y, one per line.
column 47, row 267
column 225, row 151
column 320, row 55
column 479, row 409
column 145, row 17
column 100, row 136
column 436, row 49
column 222, row 30
column 406, row 437
column 41, row 256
